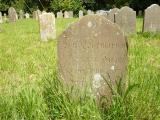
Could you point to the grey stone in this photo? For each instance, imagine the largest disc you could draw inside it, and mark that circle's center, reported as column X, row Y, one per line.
column 152, row 19
column 59, row 14
column 36, row 14
column 47, row 26
column 92, row 51
column 111, row 14
column 80, row 14
column 21, row 14
column 27, row 15
column 126, row 19
column 1, row 18
column 66, row 14
column 90, row 12
column 12, row 14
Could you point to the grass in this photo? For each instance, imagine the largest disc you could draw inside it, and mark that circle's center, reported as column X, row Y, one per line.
column 30, row 90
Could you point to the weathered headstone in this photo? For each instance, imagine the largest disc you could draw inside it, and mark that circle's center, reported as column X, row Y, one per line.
column 140, row 13
column 59, row 14
column 1, row 18
column 80, row 14
column 90, row 12
column 36, row 14
column 66, row 14
column 152, row 19
column 5, row 18
column 12, row 14
column 27, row 15
column 92, row 50
column 70, row 14
column 111, row 14
column 126, row 19
column 47, row 26
column 21, row 14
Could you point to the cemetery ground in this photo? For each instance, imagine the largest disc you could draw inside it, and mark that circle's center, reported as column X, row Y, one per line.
column 30, row 90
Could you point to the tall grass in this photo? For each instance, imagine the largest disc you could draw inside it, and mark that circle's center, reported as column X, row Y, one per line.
column 30, row 89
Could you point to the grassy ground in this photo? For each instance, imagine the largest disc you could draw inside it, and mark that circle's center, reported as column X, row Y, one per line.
column 29, row 88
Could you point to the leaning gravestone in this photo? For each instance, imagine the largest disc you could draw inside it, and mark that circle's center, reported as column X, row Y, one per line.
column 126, row 19
column 1, row 18
column 111, row 14
column 21, row 14
column 47, row 26
column 89, row 51
column 59, row 14
column 80, row 14
column 12, row 14
column 152, row 19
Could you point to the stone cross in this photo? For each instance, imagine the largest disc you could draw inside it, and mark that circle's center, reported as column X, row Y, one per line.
column 92, row 51
column 47, row 26
column 126, row 19
column 152, row 19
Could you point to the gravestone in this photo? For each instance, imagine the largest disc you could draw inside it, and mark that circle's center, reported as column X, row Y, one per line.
column 111, row 14
column 27, row 16
column 70, row 14
column 140, row 13
column 90, row 12
column 66, row 14
column 12, row 14
column 59, row 14
column 5, row 18
column 47, row 26
column 80, row 14
column 1, row 18
column 152, row 19
column 89, row 51
column 21, row 14
column 126, row 19
column 36, row 14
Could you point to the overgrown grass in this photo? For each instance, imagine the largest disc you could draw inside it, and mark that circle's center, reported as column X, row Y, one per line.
column 30, row 90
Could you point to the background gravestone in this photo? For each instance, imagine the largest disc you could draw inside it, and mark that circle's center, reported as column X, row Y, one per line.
column 36, row 14
column 126, row 19
column 152, row 19
column 59, row 14
column 27, row 15
column 111, row 14
column 66, row 14
column 21, row 14
column 90, row 12
column 70, row 14
column 89, row 50
column 12, row 14
column 5, row 18
column 80, row 14
column 1, row 18
column 47, row 26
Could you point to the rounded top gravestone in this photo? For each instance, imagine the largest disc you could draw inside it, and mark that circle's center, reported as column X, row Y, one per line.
column 92, row 51
column 12, row 14
column 152, row 19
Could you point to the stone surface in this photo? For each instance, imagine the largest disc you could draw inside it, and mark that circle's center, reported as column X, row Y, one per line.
column 36, row 14
column 70, row 14
column 27, row 15
column 47, row 26
column 66, row 14
column 152, row 19
column 90, row 12
column 1, row 18
column 126, row 19
column 89, row 51
column 21, row 14
column 111, row 14
column 80, row 14
column 12, row 14
column 59, row 14
column 5, row 18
